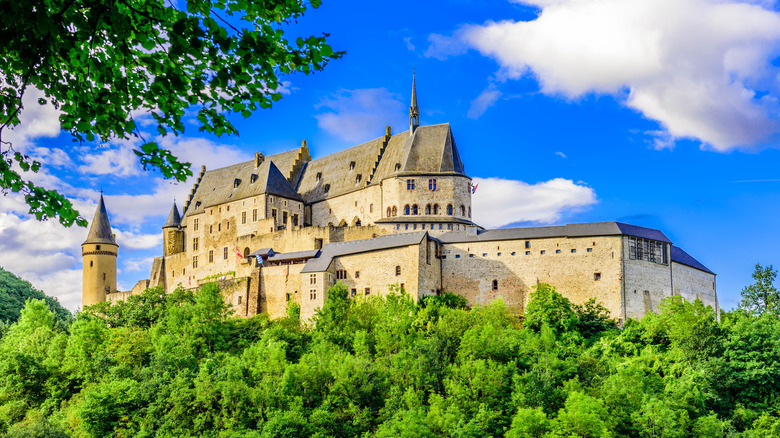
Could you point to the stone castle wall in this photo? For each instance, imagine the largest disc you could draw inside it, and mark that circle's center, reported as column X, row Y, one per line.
column 693, row 284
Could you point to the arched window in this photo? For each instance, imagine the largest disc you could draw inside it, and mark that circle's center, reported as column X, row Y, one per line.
column 462, row 210
column 395, row 211
column 428, row 209
column 389, row 212
column 415, row 210
column 406, row 210
column 246, row 252
column 435, row 208
column 449, row 210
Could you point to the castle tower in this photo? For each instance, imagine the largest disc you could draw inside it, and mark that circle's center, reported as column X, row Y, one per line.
column 98, row 254
column 414, row 110
column 173, row 235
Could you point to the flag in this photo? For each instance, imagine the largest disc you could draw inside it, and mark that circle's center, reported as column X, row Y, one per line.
column 474, row 188
column 190, row 280
column 238, row 253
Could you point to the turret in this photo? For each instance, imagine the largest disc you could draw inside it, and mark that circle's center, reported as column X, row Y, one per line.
column 98, row 254
column 173, row 235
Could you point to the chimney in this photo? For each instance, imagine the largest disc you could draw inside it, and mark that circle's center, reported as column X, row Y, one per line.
column 259, row 158
column 304, row 144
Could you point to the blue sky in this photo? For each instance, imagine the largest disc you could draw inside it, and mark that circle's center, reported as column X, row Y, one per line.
column 661, row 113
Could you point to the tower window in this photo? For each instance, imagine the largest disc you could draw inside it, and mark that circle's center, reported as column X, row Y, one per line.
column 224, row 253
column 97, row 247
column 395, row 211
column 389, row 212
column 357, row 274
column 432, row 184
column 435, row 208
column 195, row 244
column 410, row 184
column 428, row 209
column 596, row 276
column 211, row 256
column 462, row 210
column 449, row 210
column 495, row 285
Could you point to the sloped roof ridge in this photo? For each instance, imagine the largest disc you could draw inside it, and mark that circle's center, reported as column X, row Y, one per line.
column 680, row 256
column 100, row 230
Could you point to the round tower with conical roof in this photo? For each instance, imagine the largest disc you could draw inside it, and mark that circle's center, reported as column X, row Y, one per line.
column 173, row 235
column 98, row 253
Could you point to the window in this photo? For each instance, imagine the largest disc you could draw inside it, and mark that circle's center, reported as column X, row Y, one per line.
column 406, row 210
column 284, row 217
column 449, row 210
column 194, row 261
column 649, row 250
column 295, row 220
column 409, row 184
column 239, row 299
column 312, row 278
column 471, row 255
column 246, row 253
column 463, row 210
column 469, row 211
column 389, row 212
column 395, row 211
column 407, row 227
column 457, row 256
column 351, row 165
column 435, row 208
column 368, row 291
column 415, row 210
column 313, row 294
column 573, row 250
column 499, row 254
column 596, row 276
column 90, row 263
column 495, row 285
column 341, row 274
column 528, row 253
column 449, row 226
column 353, row 292
column 243, row 217
column 370, row 208
column 542, row 252
column 527, row 244
column 97, row 247
column 228, row 208
column 104, row 275
column 484, row 254
column 194, row 225
column 415, row 226
column 195, row 244
column 227, row 225
column 432, row 184
column 357, row 274
column 397, row 166
column 358, row 178
column 224, row 253
column 590, row 250
column 211, row 256
column 254, row 215
column 423, row 226
column 397, row 271
column 557, row 251
column 428, row 209
column 271, row 199
column 273, row 213
column 326, row 187
column 319, row 176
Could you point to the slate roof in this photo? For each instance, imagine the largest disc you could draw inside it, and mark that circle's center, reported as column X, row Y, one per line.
column 682, row 257
column 262, row 252
column 569, row 230
column 280, row 257
column 100, row 231
column 422, row 219
column 331, row 250
column 219, row 185
column 174, row 220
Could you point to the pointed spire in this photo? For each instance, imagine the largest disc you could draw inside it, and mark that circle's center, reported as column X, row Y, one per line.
column 414, row 110
column 100, row 231
column 174, row 220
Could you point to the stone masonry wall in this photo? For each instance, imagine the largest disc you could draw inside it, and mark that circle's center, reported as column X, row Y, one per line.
column 646, row 284
column 693, row 284
column 455, row 190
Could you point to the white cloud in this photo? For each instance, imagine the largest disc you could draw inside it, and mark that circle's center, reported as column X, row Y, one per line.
column 360, row 115
column 118, row 161
column 409, row 46
column 35, row 121
column 499, row 202
column 695, row 66
column 561, row 154
column 485, row 100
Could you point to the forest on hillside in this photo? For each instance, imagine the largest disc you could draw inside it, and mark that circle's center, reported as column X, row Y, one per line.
column 180, row 365
column 14, row 293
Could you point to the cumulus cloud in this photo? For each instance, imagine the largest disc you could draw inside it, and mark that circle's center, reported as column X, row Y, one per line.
column 35, row 121
column 485, row 100
column 360, row 115
column 118, row 161
column 499, row 202
column 702, row 68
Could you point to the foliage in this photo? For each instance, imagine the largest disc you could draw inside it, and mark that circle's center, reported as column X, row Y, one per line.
column 762, row 296
column 181, row 365
column 102, row 63
column 14, row 292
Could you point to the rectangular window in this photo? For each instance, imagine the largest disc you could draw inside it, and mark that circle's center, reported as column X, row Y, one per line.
column 432, row 184
column 353, row 292
column 410, row 184
column 194, row 261
column 341, row 274
column 243, row 217
column 195, row 244
column 368, row 291
column 590, row 249
column 313, row 294
column 527, row 244
column 542, row 252
column 273, row 213
column 597, row 276
column 357, row 274
column 557, row 251
column 312, row 278
column 284, row 217
column 295, row 220
column 573, row 250
column 528, row 253
column 254, row 215
column 211, row 256
column 397, row 271
column 224, row 253
column 194, row 225
column 648, row 250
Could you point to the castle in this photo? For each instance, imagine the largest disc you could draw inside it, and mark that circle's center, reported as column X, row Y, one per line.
column 392, row 211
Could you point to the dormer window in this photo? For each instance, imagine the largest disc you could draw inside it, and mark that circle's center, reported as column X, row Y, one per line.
column 397, row 166
column 351, row 165
column 326, row 187
column 358, row 178
column 319, row 176
column 252, row 178
column 236, row 182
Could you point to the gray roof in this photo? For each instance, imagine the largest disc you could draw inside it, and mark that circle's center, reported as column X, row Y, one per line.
column 241, row 181
column 280, row 257
column 262, row 252
column 422, row 219
column 682, row 257
column 174, row 220
column 331, row 250
column 100, row 231
column 569, row 230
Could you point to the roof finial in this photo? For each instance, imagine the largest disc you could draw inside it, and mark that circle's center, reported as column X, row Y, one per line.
column 414, row 110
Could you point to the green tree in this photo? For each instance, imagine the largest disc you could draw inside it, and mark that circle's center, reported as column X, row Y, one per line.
column 14, row 293
column 102, row 61
column 762, row 296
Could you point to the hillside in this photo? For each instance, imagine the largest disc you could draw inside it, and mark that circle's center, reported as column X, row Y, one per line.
column 14, row 292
